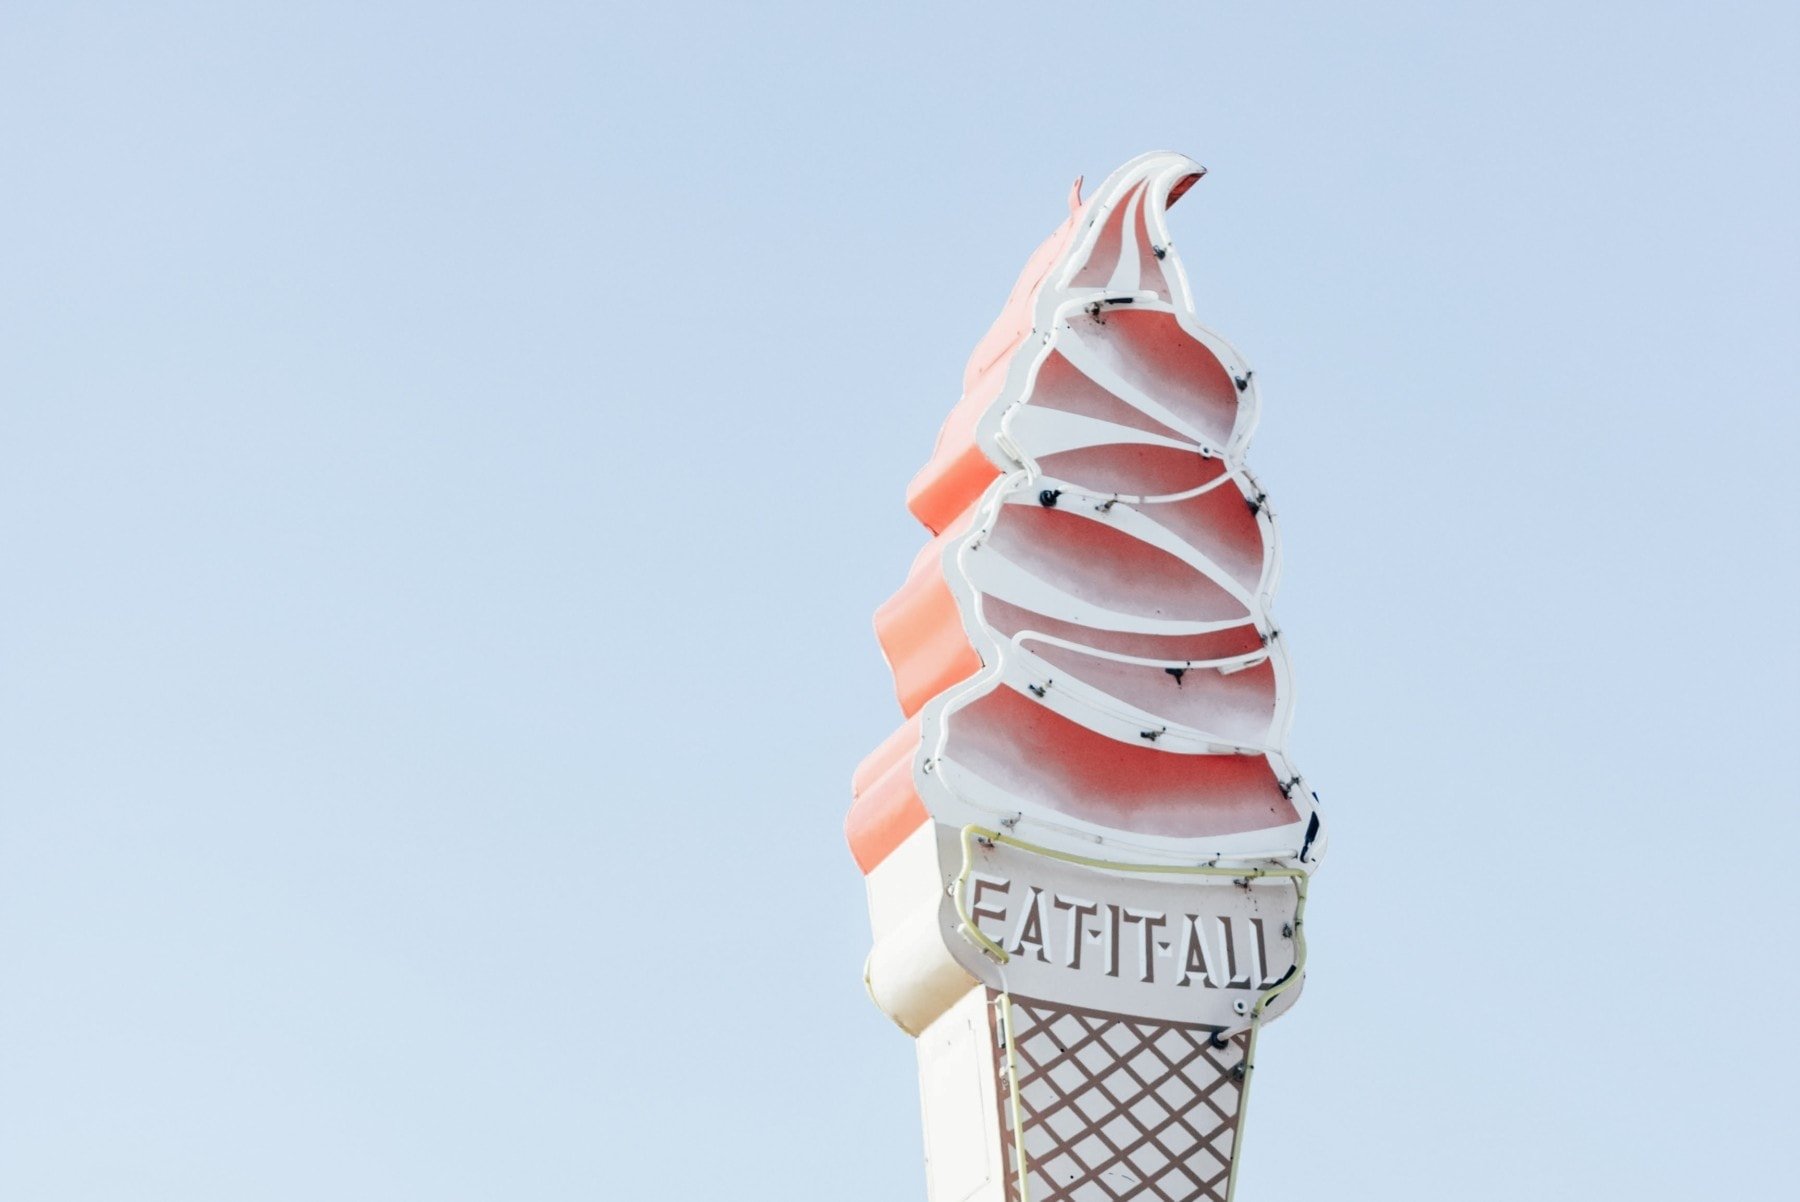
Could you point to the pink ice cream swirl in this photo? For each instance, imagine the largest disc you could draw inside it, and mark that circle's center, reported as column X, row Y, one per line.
column 1116, row 581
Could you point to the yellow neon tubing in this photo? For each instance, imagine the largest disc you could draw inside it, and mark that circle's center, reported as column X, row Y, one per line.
column 1012, row 1085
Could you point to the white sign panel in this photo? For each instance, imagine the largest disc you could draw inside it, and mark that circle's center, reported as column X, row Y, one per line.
column 1186, row 948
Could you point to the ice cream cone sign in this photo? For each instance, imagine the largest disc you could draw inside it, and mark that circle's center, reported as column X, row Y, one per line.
column 1086, row 850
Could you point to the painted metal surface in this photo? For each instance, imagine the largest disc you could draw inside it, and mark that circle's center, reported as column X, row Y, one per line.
column 1089, row 809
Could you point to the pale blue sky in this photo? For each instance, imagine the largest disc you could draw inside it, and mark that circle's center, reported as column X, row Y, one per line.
column 449, row 455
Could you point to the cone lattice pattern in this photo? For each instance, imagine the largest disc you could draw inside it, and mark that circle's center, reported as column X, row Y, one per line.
column 1115, row 1107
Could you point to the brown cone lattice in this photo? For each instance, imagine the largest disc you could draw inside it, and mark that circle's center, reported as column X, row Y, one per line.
column 1116, row 1107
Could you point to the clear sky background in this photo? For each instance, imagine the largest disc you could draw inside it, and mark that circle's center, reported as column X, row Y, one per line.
column 449, row 455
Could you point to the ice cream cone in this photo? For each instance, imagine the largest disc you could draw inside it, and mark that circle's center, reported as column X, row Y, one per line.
column 1111, row 1106
column 1086, row 851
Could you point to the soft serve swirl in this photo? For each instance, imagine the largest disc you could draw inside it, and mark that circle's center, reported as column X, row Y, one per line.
column 1116, row 581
